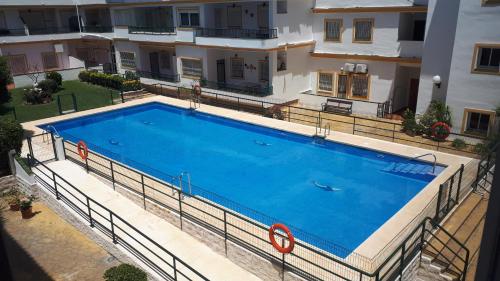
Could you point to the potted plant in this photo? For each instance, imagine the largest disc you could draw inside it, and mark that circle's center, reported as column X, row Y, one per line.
column 13, row 200
column 26, row 205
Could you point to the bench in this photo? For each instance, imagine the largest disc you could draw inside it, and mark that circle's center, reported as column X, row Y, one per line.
column 337, row 106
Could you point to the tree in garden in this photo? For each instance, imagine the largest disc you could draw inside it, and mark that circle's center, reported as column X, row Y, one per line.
column 11, row 137
column 5, row 79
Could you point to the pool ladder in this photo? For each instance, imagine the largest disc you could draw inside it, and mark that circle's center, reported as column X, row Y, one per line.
column 423, row 155
column 194, row 102
column 47, row 131
column 322, row 132
column 189, row 182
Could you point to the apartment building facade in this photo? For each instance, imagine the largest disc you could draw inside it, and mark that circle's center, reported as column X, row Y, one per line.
column 382, row 55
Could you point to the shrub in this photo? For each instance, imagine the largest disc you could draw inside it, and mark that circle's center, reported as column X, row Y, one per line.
column 37, row 96
column 125, row 272
column 130, row 75
column 11, row 137
column 458, row 144
column 84, row 76
column 436, row 112
column 56, row 76
column 5, row 79
column 480, row 148
column 409, row 122
column 131, row 85
column 48, row 85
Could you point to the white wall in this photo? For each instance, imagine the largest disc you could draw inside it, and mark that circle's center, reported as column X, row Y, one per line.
column 194, row 53
column 385, row 34
column 296, row 25
column 287, row 84
column 33, row 54
column 476, row 24
column 438, row 50
column 127, row 46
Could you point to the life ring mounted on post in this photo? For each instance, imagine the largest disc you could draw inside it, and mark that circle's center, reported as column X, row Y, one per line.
column 440, row 130
column 281, row 248
column 83, row 150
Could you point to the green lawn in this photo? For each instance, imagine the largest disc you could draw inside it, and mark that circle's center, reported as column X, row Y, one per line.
column 87, row 97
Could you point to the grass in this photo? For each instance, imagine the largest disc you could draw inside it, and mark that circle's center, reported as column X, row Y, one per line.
column 87, row 97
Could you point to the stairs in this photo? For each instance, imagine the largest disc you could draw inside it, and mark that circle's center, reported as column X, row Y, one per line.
column 410, row 169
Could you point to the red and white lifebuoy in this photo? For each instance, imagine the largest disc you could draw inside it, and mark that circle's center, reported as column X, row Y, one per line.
column 440, row 130
column 291, row 239
column 83, row 150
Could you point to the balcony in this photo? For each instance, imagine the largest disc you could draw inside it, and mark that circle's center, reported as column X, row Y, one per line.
column 97, row 29
column 237, row 33
column 150, row 30
column 252, row 89
column 159, row 76
column 13, row 32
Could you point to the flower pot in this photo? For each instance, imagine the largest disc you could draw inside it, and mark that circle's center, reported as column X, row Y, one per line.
column 14, row 207
column 27, row 213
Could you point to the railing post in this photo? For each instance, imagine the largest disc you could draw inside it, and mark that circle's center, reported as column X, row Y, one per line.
column 225, row 231
column 354, row 125
column 283, row 260
column 402, row 260
column 459, row 182
column 55, row 185
column 393, row 132
column 113, row 236
column 450, row 190
column 87, row 165
column 180, row 207
column 90, row 213
column 438, row 207
column 30, row 147
column 175, row 269
column 143, row 191
column 121, row 95
column 53, row 144
column 112, row 174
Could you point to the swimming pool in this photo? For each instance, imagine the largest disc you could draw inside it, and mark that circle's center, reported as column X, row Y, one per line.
column 331, row 191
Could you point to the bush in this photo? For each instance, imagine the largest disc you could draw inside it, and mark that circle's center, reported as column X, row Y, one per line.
column 130, row 75
column 11, row 137
column 125, row 272
column 131, row 85
column 56, row 76
column 5, row 79
column 48, row 86
column 436, row 112
column 102, row 79
column 409, row 124
column 458, row 144
column 84, row 76
column 37, row 96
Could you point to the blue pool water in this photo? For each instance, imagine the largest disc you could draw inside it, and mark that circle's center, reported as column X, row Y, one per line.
column 326, row 191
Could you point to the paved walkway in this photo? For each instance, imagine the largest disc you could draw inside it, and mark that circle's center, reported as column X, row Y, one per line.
column 46, row 247
column 199, row 256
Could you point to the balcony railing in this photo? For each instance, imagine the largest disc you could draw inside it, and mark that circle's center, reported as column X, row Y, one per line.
column 252, row 89
column 151, row 30
column 159, row 76
column 237, row 33
column 13, row 32
column 97, row 29
column 52, row 30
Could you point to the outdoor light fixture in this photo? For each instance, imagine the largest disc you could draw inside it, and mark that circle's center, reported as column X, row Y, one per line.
column 437, row 81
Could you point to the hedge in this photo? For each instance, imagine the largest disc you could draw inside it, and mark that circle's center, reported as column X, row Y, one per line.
column 11, row 137
column 113, row 81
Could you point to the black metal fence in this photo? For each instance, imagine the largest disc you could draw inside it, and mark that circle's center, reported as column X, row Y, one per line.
column 159, row 76
column 121, row 232
column 251, row 233
column 252, row 89
column 485, row 170
column 356, row 125
column 237, row 33
column 152, row 30
column 97, row 29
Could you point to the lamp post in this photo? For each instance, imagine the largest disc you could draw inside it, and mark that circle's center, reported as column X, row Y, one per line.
column 437, row 81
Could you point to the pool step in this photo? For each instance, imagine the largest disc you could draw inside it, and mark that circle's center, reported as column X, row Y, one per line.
column 409, row 169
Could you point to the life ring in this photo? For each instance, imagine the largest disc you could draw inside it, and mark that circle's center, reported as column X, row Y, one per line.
column 83, row 150
column 281, row 249
column 440, row 130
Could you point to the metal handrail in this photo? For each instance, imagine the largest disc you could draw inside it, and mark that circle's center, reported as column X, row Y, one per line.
column 423, row 155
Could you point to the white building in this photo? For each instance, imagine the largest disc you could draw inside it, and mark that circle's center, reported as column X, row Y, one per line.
column 379, row 54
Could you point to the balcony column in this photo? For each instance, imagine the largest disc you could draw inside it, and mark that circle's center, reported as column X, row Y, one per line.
column 271, row 12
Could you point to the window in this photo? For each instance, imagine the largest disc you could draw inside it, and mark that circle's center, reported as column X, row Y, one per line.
column 281, row 7
column 127, row 59
column 189, row 18
column 234, row 17
column 49, row 60
column 264, row 71
column 478, row 122
column 192, row 68
column 165, row 60
column 333, row 30
column 487, row 59
column 3, row 23
column 363, row 30
column 281, row 60
column 342, row 85
column 237, row 71
column 360, row 86
column 18, row 64
column 325, row 82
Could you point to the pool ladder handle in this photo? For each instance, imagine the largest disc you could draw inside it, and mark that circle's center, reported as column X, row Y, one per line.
column 194, row 102
column 325, row 130
column 46, row 133
column 423, row 155
column 189, row 181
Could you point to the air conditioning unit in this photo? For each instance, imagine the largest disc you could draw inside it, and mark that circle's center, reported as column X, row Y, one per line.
column 59, row 48
column 361, row 68
column 349, row 67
